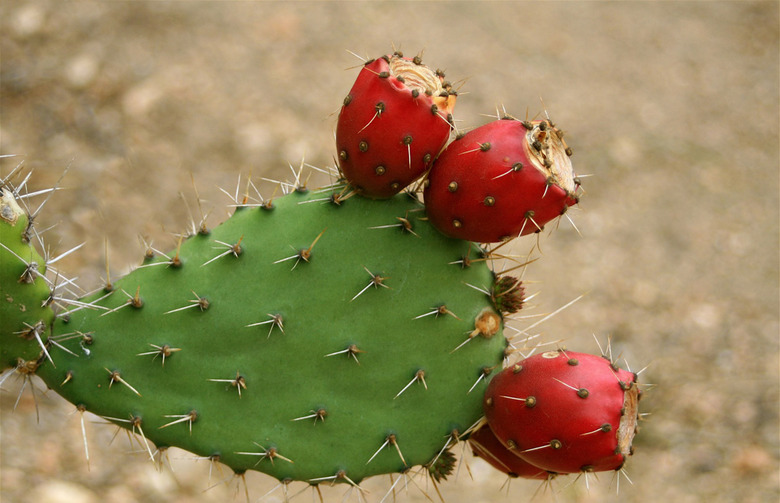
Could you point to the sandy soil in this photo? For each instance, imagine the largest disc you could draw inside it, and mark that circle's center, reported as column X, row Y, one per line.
column 672, row 111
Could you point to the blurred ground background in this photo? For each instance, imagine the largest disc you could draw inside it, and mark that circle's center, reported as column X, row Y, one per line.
column 671, row 109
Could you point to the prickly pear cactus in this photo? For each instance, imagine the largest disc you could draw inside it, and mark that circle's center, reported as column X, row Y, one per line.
column 311, row 338
column 334, row 334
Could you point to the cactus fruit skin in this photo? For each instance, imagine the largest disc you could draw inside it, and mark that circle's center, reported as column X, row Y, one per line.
column 25, row 314
column 312, row 341
column 565, row 412
column 393, row 123
column 487, row 446
column 503, row 179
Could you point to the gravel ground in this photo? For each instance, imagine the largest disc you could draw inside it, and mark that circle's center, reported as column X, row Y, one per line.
column 672, row 111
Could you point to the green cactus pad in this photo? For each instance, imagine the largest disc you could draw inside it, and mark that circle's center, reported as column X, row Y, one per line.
column 312, row 341
column 24, row 308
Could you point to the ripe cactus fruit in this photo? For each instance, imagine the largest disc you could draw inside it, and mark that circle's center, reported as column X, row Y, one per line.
column 487, row 446
column 501, row 180
column 565, row 412
column 312, row 339
column 393, row 123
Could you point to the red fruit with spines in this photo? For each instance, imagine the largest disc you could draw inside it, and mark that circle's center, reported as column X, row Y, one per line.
column 565, row 412
column 485, row 445
column 394, row 122
column 501, row 180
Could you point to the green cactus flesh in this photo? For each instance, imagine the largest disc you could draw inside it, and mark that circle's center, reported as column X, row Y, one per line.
column 24, row 309
column 313, row 341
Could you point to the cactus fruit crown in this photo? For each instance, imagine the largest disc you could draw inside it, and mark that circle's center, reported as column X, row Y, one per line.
column 548, row 152
column 416, row 76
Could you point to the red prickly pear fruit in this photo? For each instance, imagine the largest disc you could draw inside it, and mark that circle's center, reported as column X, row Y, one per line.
column 485, row 445
column 501, row 180
column 565, row 412
column 393, row 123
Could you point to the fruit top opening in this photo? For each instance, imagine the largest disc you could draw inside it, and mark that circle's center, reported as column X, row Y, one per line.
column 551, row 157
column 425, row 81
column 628, row 422
column 416, row 76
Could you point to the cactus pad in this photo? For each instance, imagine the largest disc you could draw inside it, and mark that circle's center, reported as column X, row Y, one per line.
column 24, row 293
column 309, row 339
